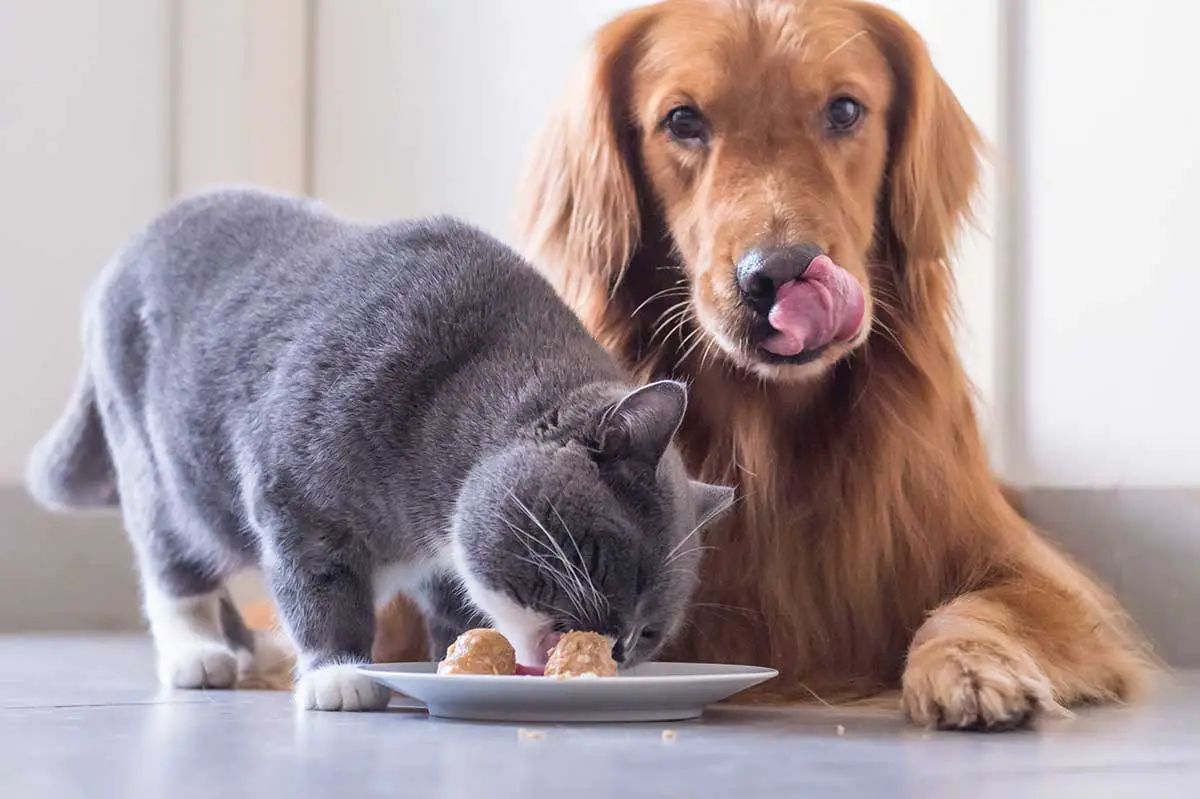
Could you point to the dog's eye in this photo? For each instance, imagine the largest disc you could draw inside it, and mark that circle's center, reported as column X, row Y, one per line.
column 686, row 124
column 843, row 115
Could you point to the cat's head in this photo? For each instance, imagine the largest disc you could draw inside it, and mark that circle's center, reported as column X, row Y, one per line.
column 589, row 523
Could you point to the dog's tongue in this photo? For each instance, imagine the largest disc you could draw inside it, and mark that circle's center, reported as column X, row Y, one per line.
column 826, row 304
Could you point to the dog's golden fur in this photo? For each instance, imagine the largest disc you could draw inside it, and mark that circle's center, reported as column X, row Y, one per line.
column 872, row 547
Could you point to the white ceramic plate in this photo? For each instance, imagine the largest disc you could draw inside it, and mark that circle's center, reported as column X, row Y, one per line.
column 649, row 692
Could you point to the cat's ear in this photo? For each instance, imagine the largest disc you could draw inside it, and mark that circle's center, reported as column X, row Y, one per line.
column 711, row 500
column 643, row 422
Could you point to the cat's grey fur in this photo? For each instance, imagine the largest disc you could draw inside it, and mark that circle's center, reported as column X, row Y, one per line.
column 362, row 410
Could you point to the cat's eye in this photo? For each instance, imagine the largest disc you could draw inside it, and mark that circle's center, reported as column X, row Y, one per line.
column 650, row 634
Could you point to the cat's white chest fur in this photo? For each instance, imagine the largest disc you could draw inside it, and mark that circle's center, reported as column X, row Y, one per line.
column 405, row 577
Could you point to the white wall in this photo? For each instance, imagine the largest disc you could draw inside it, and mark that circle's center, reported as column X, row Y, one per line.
column 241, row 94
column 965, row 40
column 429, row 106
column 1111, row 378
column 84, row 142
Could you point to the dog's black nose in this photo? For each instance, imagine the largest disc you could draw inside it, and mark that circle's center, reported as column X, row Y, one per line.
column 763, row 270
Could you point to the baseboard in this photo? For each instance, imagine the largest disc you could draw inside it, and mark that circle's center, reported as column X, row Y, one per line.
column 63, row 571
column 1145, row 544
column 75, row 572
column 71, row 572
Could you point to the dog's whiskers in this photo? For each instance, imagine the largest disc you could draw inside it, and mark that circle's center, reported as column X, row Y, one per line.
column 679, row 326
column 670, row 291
column 678, row 316
column 698, row 335
column 746, row 612
column 709, row 349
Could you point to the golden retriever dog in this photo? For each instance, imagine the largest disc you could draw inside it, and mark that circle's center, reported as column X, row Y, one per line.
column 761, row 197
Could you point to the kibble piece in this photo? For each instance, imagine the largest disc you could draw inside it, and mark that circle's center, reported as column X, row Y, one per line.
column 479, row 652
column 580, row 654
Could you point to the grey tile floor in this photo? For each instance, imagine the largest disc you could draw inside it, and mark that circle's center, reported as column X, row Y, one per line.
column 82, row 717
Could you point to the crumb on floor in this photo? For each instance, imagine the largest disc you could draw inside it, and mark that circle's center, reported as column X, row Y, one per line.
column 530, row 735
column 669, row 736
column 841, row 730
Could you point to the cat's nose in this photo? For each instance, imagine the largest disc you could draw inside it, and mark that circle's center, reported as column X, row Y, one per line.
column 618, row 651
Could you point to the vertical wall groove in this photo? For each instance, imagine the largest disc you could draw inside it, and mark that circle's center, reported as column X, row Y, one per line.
column 173, row 104
column 311, row 64
column 1013, row 242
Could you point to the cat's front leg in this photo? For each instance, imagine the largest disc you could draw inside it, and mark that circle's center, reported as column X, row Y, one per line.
column 447, row 616
column 329, row 613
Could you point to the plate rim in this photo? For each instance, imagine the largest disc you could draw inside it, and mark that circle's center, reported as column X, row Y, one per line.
column 397, row 670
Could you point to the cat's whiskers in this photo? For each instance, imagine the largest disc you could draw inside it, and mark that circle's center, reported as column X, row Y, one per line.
column 559, row 577
column 597, row 597
column 565, row 613
column 539, row 554
column 684, row 553
column 577, row 574
column 671, row 555
column 565, row 581
column 579, row 588
column 528, row 541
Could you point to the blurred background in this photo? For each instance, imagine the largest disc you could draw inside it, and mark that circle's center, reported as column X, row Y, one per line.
column 1077, row 286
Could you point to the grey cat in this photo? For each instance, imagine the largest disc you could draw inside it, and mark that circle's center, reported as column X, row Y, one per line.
column 360, row 411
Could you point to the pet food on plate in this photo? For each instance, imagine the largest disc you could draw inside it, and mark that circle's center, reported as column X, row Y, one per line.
column 479, row 652
column 580, row 654
column 483, row 651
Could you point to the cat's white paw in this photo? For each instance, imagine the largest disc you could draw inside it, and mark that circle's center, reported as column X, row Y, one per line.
column 198, row 666
column 192, row 651
column 340, row 687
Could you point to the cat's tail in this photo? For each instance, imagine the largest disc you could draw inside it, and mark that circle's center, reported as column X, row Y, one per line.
column 71, row 468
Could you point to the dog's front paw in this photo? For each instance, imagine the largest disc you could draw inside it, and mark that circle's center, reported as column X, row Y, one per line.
column 974, row 685
column 340, row 687
column 198, row 665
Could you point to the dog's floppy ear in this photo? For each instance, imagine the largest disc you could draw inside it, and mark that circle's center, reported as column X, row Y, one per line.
column 578, row 208
column 934, row 160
